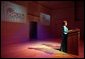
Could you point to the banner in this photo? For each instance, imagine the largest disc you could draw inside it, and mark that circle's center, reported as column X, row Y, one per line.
column 45, row 19
column 12, row 12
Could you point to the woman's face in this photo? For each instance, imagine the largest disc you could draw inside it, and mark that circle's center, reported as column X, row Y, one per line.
column 65, row 23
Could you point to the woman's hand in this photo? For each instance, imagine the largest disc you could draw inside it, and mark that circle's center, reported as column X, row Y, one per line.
column 70, row 30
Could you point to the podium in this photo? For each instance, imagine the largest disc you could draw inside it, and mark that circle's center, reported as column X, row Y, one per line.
column 73, row 42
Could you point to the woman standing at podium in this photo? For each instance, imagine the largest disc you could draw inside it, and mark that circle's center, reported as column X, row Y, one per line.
column 64, row 37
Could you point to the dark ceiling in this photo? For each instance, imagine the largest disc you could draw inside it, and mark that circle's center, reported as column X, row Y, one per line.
column 50, row 4
column 57, row 4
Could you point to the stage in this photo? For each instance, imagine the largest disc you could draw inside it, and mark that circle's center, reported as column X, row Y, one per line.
column 44, row 49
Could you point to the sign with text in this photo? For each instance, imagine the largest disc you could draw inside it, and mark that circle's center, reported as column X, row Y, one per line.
column 12, row 12
column 45, row 19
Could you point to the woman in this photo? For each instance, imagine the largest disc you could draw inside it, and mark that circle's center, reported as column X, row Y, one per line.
column 64, row 36
column 65, row 32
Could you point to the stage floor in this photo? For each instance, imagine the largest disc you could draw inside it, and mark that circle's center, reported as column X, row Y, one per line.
column 34, row 50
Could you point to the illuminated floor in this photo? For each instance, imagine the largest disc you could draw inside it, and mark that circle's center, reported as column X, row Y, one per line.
column 34, row 50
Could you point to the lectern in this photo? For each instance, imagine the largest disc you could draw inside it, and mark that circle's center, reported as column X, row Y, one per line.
column 73, row 42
